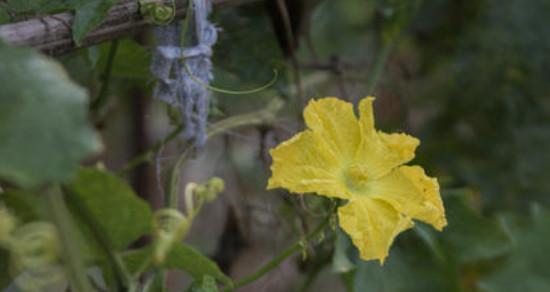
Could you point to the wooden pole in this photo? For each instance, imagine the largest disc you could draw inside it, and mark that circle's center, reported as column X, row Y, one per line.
column 52, row 33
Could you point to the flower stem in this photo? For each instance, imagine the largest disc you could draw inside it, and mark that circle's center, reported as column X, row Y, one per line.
column 61, row 218
column 276, row 261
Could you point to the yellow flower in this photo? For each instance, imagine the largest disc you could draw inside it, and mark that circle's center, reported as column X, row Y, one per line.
column 343, row 157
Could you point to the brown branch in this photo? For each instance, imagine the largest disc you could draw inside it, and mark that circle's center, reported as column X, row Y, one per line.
column 52, row 34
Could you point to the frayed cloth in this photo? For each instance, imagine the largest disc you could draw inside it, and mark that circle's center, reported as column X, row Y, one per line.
column 175, row 85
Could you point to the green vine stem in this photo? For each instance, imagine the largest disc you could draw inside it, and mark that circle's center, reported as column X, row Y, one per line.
column 60, row 216
column 263, row 116
column 104, row 91
column 276, row 261
column 149, row 154
column 231, row 91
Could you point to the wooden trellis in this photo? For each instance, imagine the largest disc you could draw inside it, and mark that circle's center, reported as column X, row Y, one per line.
column 52, row 33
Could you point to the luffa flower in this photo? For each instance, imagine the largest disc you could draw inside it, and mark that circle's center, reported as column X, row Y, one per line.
column 343, row 157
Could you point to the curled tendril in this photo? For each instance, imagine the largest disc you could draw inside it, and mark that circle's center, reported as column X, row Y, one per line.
column 210, row 191
column 230, row 91
column 157, row 13
column 35, row 257
column 34, row 245
column 196, row 195
column 170, row 226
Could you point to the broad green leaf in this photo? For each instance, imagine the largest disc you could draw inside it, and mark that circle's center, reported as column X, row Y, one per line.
column 181, row 257
column 132, row 60
column 407, row 269
column 44, row 131
column 116, row 209
column 469, row 237
column 88, row 15
column 528, row 268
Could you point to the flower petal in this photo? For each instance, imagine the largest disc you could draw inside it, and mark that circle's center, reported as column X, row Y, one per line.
column 366, row 115
column 306, row 164
column 378, row 153
column 401, row 145
column 410, row 191
column 372, row 225
column 334, row 120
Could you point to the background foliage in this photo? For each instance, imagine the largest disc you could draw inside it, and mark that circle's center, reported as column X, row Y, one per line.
column 469, row 78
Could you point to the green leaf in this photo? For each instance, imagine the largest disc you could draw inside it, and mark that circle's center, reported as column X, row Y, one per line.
column 528, row 268
column 181, row 257
column 44, row 131
column 117, row 210
column 470, row 237
column 131, row 61
column 89, row 14
column 408, row 269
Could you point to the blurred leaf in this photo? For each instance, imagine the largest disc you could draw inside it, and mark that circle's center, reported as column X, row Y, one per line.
column 181, row 257
column 82, row 65
column 157, row 284
column 407, row 269
column 470, row 237
column 489, row 121
column 4, row 16
column 25, row 204
column 41, row 112
column 118, row 211
column 207, row 284
column 88, row 15
column 340, row 260
column 240, row 65
column 528, row 268
column 131, row 61
column 440, row 261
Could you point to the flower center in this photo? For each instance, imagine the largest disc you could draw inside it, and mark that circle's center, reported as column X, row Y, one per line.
column 356, row 178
